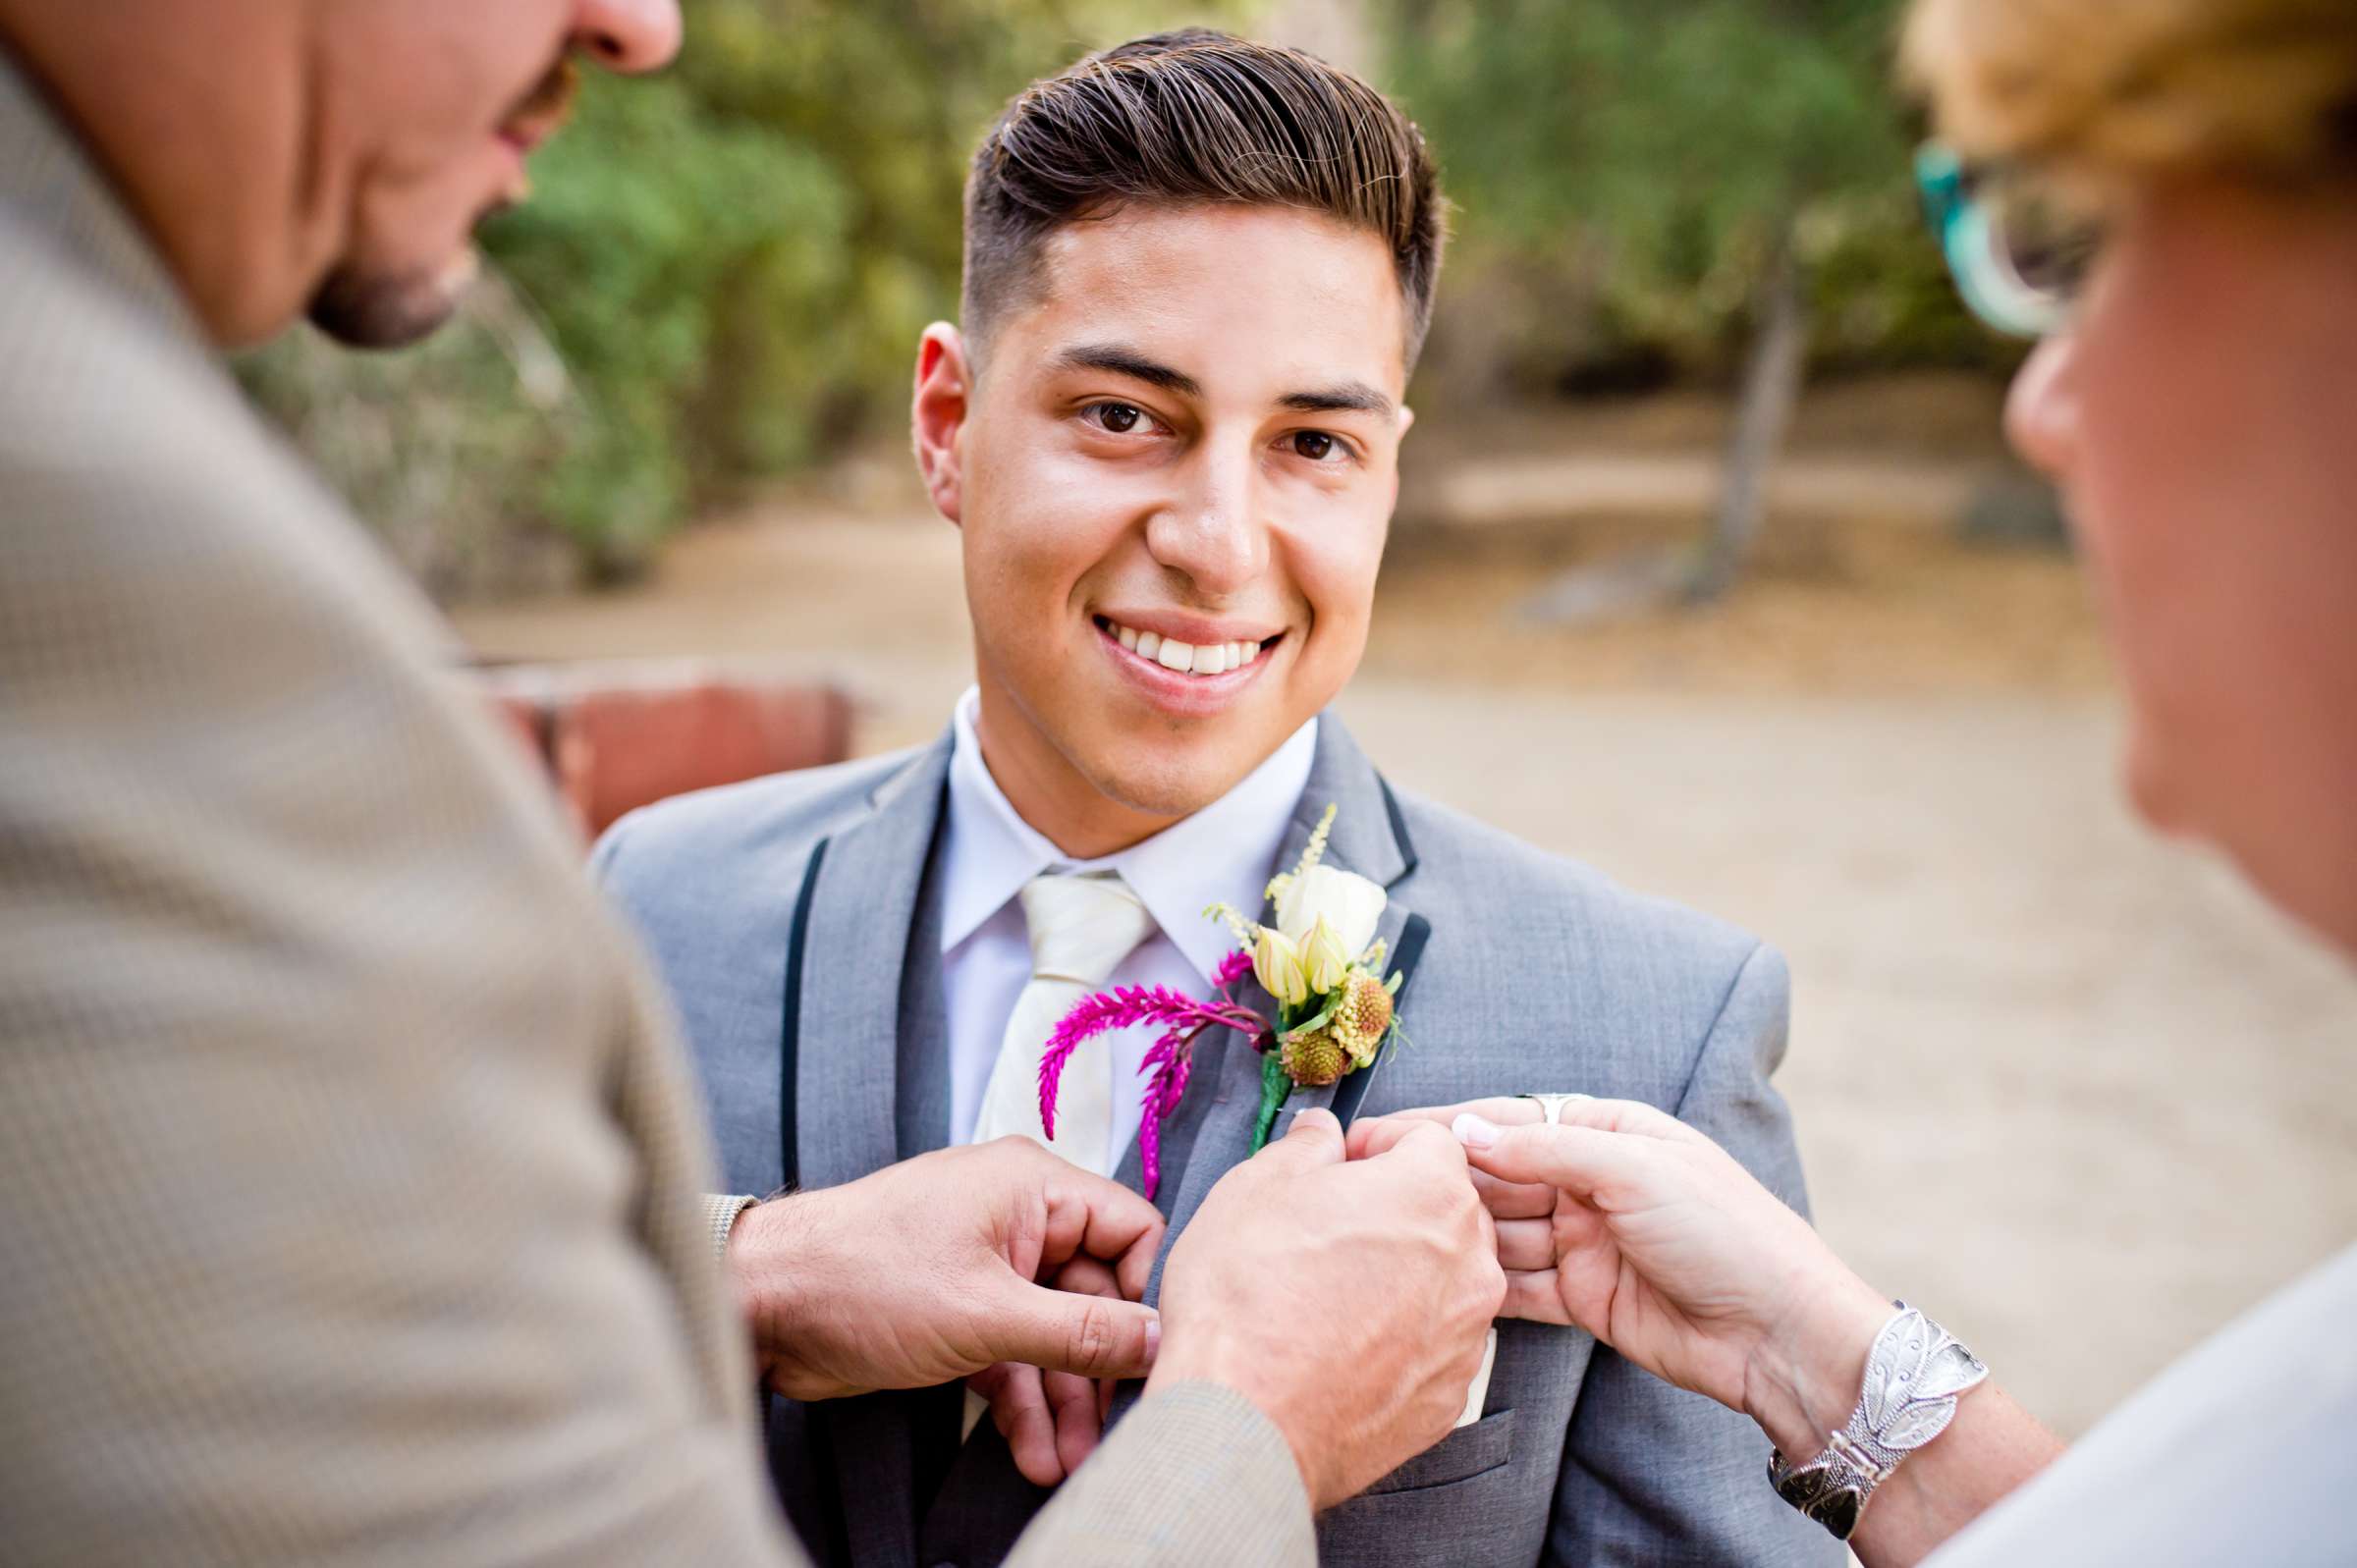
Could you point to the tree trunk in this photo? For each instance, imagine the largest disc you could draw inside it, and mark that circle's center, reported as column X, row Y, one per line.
column 1772, row 382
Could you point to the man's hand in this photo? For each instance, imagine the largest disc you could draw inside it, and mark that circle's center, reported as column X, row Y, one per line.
column 1632, row 1226
column 1052, row 1420
column 929, row 1270
column 1349, row 1301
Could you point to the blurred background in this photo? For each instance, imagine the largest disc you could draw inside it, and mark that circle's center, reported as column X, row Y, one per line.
column 1710, row 568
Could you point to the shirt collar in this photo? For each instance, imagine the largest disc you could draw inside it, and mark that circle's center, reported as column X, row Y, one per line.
column 1221, row 854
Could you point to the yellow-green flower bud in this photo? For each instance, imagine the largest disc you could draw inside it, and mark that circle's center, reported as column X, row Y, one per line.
column 1276, row 963
column 1324, row 959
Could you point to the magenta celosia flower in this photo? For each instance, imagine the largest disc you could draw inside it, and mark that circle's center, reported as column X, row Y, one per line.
column 1183, row 1019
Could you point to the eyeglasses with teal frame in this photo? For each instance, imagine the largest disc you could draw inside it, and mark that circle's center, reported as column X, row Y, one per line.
column 2017, row 259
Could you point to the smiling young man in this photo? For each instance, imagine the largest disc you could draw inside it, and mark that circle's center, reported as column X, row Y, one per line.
column 1199, row 272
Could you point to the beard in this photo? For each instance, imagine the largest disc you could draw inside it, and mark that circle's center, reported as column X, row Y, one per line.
column 364, row 309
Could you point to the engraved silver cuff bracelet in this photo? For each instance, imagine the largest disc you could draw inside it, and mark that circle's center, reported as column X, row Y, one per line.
column 1914, row 1374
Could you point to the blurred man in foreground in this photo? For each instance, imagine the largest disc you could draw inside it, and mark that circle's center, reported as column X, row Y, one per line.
column 352, row 1173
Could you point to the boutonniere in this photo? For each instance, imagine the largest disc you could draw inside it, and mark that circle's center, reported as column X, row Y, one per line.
column 1319, row 962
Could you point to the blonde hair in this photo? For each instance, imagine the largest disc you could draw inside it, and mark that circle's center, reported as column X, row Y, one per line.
column 2135, row 87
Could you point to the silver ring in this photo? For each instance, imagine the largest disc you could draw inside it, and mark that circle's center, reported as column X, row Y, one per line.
column 1552, row 1106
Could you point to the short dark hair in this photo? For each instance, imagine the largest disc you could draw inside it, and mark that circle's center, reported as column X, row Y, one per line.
column 1198, row 116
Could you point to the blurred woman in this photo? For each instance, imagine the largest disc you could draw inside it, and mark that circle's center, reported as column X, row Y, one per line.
column 2166, row 192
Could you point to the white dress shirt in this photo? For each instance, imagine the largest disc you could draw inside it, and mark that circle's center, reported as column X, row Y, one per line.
column 1223, row 853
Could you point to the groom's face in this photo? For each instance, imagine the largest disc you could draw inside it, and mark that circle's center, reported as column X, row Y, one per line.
column 1174, row 468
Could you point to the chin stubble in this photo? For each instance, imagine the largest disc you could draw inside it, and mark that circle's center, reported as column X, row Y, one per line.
column 373, row 310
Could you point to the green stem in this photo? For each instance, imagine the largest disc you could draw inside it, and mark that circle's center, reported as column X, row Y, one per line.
column 1275, row 1085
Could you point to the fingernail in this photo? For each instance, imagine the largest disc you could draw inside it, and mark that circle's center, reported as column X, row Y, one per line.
column 1474, row 1132
column 1153, row 1338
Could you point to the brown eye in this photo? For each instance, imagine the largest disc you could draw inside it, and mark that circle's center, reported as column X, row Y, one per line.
column 1315, row 445
column 1119, row 418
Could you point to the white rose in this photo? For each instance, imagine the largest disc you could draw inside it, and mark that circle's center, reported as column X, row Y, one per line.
column 1347, row 903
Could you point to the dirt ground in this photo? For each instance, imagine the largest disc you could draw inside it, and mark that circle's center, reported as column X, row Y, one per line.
column 2041, row 1064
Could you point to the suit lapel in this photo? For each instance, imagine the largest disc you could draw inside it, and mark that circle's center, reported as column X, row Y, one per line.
column 1367, row 838
column 1405, row 952
column 922, row 1113
column 848, row 1019
column 1208, row 1087
column 849, row 1055
column 1213, row 1129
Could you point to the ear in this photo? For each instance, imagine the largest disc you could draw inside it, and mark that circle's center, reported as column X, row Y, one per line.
column 937, row 416
column 1408, row 421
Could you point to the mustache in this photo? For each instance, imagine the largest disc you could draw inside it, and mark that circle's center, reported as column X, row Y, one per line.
column 550, row 102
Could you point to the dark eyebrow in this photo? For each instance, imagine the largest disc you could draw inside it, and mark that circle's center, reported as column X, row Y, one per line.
column 1349, row 397
column 1136, row 366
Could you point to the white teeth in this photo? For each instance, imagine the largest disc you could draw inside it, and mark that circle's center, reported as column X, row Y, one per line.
column 1183, row 658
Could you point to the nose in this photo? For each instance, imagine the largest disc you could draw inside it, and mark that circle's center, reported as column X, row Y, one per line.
column 1211, row 533
column 628, row 37
column 2042, row 412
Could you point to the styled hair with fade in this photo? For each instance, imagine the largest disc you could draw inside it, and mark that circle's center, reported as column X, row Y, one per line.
column 1189, row 118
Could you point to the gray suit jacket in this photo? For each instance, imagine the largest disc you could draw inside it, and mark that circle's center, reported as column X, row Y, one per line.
column 350, row 1163
column 1537, row 975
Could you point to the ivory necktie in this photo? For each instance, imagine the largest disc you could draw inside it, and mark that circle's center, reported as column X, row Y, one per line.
column 1081, row 928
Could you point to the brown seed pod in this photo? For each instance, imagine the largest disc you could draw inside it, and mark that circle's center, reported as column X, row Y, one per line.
column 1315, row 1060
column 1362, row 1017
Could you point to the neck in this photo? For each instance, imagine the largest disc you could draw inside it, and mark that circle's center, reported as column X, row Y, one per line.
column 1049, row 793
column 199, row 127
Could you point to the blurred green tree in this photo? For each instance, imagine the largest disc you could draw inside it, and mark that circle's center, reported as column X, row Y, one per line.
column 1645, row 184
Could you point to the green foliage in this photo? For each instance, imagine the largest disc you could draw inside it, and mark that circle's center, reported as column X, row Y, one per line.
column 1633, row 163
column 666, row 247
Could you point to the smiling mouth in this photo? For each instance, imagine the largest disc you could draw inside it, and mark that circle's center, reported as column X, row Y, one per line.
column 543, row 111
column 1183, row 658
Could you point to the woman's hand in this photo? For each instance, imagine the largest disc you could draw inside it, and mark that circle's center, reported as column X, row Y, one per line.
column 1640, row 1229
column 1635, row 1227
